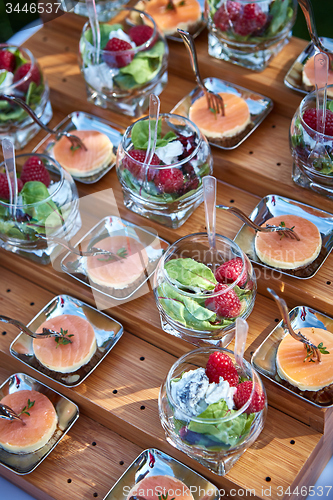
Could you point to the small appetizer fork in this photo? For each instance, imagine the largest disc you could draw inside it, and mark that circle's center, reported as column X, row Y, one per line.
column 8, row 413
column 312, row 350
column 75, row 141
column 214, row 101
column 46, row 332
column 282, row 230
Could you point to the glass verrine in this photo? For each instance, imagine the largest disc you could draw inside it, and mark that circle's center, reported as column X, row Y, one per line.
column 205, row 421
column 103, row 7
column 192, row 303
column 312, row 151
column 49, row 210
column 128, row 69
column 247, row 33
column 22, row 77
column 170, row 189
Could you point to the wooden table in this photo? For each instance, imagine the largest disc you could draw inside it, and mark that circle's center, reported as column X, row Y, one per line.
column 118, row 402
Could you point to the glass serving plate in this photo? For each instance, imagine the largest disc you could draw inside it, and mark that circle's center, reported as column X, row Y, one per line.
column 76, row 266
column 274, row 205
column 67, row 413
column 264, row 358
column 107, row 330
column 293, row 78
column 78, row 120
column 259, row 106
column 156, row 463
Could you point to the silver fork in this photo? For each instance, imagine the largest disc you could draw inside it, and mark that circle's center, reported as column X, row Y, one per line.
column 46, row 332
column 311, row 349
column 282, row 230
column 77, row 251
column 7, row 413
column 75, row 141
column 214, row 101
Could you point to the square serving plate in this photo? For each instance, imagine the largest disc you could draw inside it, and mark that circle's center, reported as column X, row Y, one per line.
column 156, row 463
column 75, row 266
column 264, row 358
column 67, row 413
column 293, row 78
column 259, row 106
column 107, row 330
column 274, row 205
column 78, row 120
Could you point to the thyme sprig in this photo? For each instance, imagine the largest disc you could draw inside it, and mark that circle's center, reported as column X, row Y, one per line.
column 310, row 352
column 120, row 254
column 64, row 339
column 27, row 407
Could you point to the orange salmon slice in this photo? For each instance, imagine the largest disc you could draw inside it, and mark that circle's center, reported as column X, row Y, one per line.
column 305, row 375
column 36, row 429
column 153, row 487
column 66, row 358
column 186, row 13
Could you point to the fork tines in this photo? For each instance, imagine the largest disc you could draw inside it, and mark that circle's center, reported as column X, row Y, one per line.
column 215, row 102
column 284, row 231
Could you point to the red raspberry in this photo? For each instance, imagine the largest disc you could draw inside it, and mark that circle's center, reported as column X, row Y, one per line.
column 229, row 272
column 226, row 304
column 7, row 60
column 34, row 170
column 121, row 60
column 243, row 393
column 252, row 19
column 219, row 365
column 141, row 34
column 4, row 187
column 139, row 155
column 310, row 118
column 169, row 180
column 22, row 71
column 227, row 14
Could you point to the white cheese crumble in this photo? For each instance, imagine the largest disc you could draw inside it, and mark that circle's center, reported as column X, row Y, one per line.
column 8, row 78
column 100, row 75
column 169, row 153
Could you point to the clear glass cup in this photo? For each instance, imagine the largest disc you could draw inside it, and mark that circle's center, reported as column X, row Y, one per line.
column 50, row 211
column 122, row 81
column 172, row 190
column 15, row 123
column 312, row 151
column 103, row 7
column 188, row 312
column 217, row 443
column 247, row 33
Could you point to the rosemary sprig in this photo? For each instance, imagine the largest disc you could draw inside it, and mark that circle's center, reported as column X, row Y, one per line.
column 64, row 339
column 120, row 254
column 27, row 407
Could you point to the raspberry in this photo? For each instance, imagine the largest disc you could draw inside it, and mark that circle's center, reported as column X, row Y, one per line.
column 230, row 271
column 226, row 304
column 34, row 170
column 251, row 20
column 169, row 180
column 310, row 118
column 137, row 170
column 7, row 61
column 227, row 14
column 121, row 60
column 141, row 34
column 24, row 70
column 4, row 187
column 219, row 365
column 243, row 393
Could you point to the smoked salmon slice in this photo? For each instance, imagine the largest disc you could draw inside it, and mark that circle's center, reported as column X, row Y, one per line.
column 153, row 487
column 68, row 357
column 287, row 253
column 36, row 429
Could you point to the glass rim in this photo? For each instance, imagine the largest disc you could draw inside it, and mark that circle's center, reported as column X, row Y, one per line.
column 133, row 50
column 172, row 165
column 210, row 350
column 33, row 64
column 209, row 294
column 312, row 95
column 37, row 203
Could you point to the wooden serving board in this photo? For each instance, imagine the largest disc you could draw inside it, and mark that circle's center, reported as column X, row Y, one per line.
column 289, row 452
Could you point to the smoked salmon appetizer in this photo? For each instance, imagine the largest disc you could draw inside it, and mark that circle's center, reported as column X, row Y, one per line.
column 308, row 76
column 182, row 14
column 80, row 162
column 152, row 488
column 38, row 422
column 69, row 353
column 287, row 253
column 236, row 117
column 124, row 267
column 299, row 372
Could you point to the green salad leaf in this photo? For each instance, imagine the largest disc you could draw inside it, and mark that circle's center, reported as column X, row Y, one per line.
column 34, row 192
column 3, row 75
column 140, row 135
column 228, row 433
column 152, row 192
column 105, row 30
column 190, row 274
column 19, row 59
column 279, row 12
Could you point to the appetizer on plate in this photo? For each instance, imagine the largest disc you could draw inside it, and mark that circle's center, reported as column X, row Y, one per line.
column 308, row 77
column 37, row 424
column 152, row 487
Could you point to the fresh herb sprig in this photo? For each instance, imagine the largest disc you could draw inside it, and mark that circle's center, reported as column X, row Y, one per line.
column 165, row 497
column 310, row 352
column 120, row 254
column 64, row 339
column 27, row 407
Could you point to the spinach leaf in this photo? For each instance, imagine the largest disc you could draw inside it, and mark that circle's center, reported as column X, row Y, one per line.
column 41, row 213
column 279, row 11
column 190, row 274
column 105, row 30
